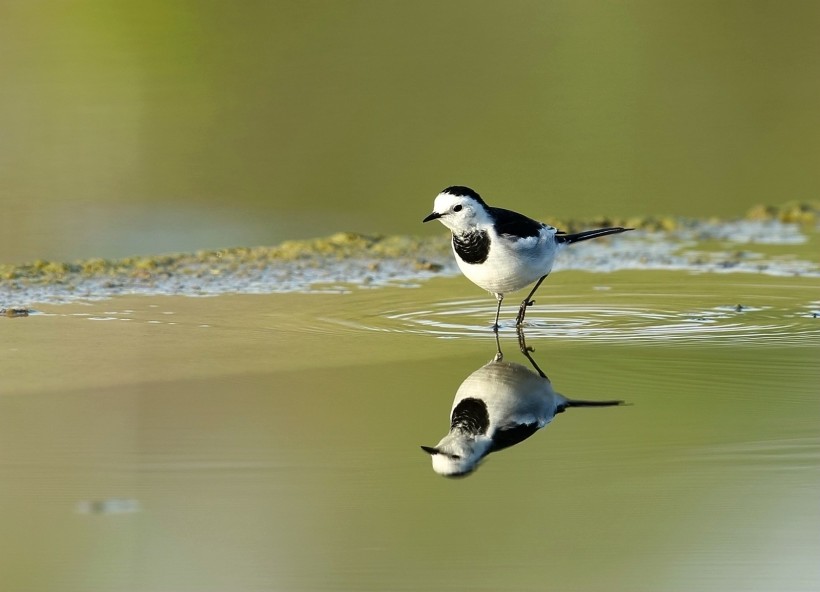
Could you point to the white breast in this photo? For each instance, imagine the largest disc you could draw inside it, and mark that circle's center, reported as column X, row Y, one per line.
column 512, row 264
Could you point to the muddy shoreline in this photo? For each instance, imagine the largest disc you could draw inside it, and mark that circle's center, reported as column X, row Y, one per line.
column 770, row 241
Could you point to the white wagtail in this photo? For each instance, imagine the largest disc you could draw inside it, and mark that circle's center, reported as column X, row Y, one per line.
column 499, row 405
column 500, row 250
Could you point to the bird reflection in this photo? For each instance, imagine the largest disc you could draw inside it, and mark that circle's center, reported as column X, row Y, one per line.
column 499, row 405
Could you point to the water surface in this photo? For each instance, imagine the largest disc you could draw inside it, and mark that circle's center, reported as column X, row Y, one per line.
column 271, row 442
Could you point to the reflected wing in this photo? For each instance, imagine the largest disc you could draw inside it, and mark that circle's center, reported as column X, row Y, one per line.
column 511, row 435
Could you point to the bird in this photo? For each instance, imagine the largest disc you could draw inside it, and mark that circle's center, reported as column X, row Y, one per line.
column 499, row 405
column 500, row 250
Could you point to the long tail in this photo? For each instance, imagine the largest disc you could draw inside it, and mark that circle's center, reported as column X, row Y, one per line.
column 588, row 234
column 574, row 403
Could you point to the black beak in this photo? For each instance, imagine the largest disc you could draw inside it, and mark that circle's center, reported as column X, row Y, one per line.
column 430, row 450
column 432, row 216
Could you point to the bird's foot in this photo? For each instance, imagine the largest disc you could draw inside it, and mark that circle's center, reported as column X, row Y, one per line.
column 522, row 343
column 522, row 311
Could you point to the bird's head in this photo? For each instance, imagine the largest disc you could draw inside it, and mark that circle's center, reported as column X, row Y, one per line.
column 460, row 209
column 457, row 455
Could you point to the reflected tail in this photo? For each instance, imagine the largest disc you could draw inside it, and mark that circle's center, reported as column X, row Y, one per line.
column 574, row 403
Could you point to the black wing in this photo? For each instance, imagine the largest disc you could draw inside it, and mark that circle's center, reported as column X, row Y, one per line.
column 506, row 437
column 515, row 224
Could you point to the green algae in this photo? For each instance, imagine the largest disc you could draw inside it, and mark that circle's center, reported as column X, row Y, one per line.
column 347, row 257
column 347, row 245
column 798, row 212
column 340, row 246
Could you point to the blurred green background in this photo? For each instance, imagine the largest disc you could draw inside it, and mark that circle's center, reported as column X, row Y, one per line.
column 157, row 125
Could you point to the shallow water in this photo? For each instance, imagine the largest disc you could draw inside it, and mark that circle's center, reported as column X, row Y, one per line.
column 271, row 442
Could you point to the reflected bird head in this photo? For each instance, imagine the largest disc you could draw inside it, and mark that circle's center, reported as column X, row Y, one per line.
column 459, row 452
column 456, row 456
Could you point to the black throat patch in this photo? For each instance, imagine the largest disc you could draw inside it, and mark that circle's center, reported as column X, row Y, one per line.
column 471, row 416
column 473, row 247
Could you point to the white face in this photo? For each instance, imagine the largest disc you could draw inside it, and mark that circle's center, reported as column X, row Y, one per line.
column 451, row 467
column 460, row 213
column 455, row 457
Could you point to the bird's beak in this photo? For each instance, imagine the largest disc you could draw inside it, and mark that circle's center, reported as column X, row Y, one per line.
column 430, row 450
column 432, row 216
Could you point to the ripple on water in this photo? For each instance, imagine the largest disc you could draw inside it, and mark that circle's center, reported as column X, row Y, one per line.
column 748, row 325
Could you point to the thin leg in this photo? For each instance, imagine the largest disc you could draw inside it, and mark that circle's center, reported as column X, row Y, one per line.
column 525, row 349
column 500, row 298
column 522, row 342
column 528, row 302
column 498, row 355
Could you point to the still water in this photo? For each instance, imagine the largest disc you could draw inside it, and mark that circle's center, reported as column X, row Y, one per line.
column 271, row 442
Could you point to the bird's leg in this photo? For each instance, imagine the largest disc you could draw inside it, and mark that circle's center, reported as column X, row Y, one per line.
column 498, row 355
column 522, row 343
column 500, row 298
column 525, row 349
column 528, row 302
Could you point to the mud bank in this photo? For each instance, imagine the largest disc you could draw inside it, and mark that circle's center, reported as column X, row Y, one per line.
column 769, row 240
